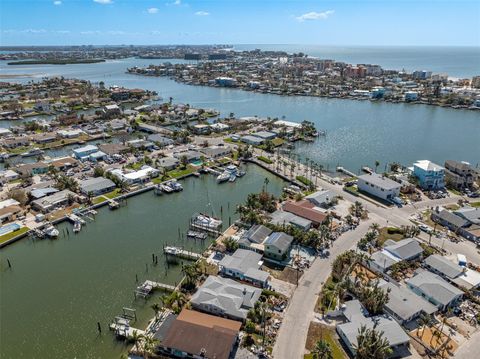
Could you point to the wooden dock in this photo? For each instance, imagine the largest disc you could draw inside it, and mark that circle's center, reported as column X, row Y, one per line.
column 149, row 286
column 181, row 253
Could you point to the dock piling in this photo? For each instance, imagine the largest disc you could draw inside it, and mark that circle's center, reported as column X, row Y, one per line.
column 99, row 327
column 9, row 264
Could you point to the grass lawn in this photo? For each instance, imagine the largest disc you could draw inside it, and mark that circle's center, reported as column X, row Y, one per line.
column 278, row 141
column 392, row 233
column 13, row 234
column 265, row 159
column 317, row 331
column 475, row 204
column 181, row 172
column 98, row 199
column 113, row 194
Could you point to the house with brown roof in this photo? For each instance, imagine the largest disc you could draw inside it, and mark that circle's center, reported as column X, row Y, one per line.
column 305, row 210
column 194, row 334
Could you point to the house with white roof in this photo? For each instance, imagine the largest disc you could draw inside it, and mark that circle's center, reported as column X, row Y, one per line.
column 244, row 265
column 430, row 175
column 436, row 290
column 407, row 249
column 379, row 186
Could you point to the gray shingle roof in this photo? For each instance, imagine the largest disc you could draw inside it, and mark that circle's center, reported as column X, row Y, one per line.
column 258, row 233
column 405, row 249
column 404, row 303
column 280, row 240
column 96, row 184
column 443, row 265
column 451, row 218
column 380, row 181
column 282, row 217
column 435, row 287
column 242, row 260
column 392, row 331
column 228, row 296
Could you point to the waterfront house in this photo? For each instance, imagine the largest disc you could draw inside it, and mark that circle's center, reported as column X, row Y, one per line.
column 71, row 133
column 253, row 238
column 356, row 318
column 407, row 249
column 306, row 210
column 83, row 153
column 283, row 218
column 265, row 135
column 113, row 148
column 140, row 143
column 323, row 198
column 192, row 156
column 216, row 151
column 454, row 273
column 9, row 213
column 14, row 142
column 404, row 305
column 201, row 129
column 193, row 334
column 225, row 297
column 53, row 201
column 219, row 127
column 244, row 265
column 411, row 96
column 136, row 177
column 42, row 138
column 42, row 192
column 112, row 110
column 117, row 124
column 96, row 186
column 168, row 163
column 8, row 176
column 379, row 186
column 430, row 175
column 459, row 175
column 251, row 140
column 436, row 290
column 277, row 246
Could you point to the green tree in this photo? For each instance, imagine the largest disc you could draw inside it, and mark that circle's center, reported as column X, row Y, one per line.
column 371, row 344
column 322, row 350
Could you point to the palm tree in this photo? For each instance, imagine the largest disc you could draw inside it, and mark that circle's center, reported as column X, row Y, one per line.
column 375, row 227
column 136, row 337
column 322, row 350
column 175, row 301
column 377, row 163
column 156, row 308
column 149, row 345
column 371, row 344
column 424, row 321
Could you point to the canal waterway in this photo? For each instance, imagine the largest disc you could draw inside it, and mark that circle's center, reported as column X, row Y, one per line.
column 56, row 291
column 358, row 132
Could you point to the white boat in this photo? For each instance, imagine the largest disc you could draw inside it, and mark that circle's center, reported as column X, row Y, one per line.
column 165, row 188
column 231, row 169
column 77, row 226
column 171, row 250
column 32, row 152
column 51, row 231
column 241, row 173
column 232, row 178
column 177, row 187
column 4, row 156
column 207, row 222
column 223, row 177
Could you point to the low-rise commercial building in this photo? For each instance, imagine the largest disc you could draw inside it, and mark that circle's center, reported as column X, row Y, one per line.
column 379, row 186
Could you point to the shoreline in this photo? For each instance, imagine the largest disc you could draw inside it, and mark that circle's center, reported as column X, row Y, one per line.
column 349, row 97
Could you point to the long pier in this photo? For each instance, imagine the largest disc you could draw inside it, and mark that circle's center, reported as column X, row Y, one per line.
column 181, row 253
column 149, row 286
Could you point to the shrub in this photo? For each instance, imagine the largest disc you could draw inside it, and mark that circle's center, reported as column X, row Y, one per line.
column 265, row 159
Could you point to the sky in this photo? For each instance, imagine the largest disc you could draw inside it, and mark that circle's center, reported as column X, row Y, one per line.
column 146, row 22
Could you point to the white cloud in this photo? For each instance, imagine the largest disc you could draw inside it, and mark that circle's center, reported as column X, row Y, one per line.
column 202, row 13
column 315, row 15
column 152, row 10
column 58, row 2
column 90, row 32
column 103, row 1
column 177, row 2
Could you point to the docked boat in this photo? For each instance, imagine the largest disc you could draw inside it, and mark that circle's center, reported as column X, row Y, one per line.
column 51, row 231
column 177, row 187
column 32, row 152
column 241, row 173
column 232, row 178
column 196, row 235
column 171, row 250
column 232, row 169
column 113, row 204
column 4, row 156
column 367, row 170
column 203, row 221
column 223, row 177
column 166, row 188
column 77, row 226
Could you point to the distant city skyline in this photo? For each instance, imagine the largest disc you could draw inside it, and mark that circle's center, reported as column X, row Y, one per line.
column 142, row 22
